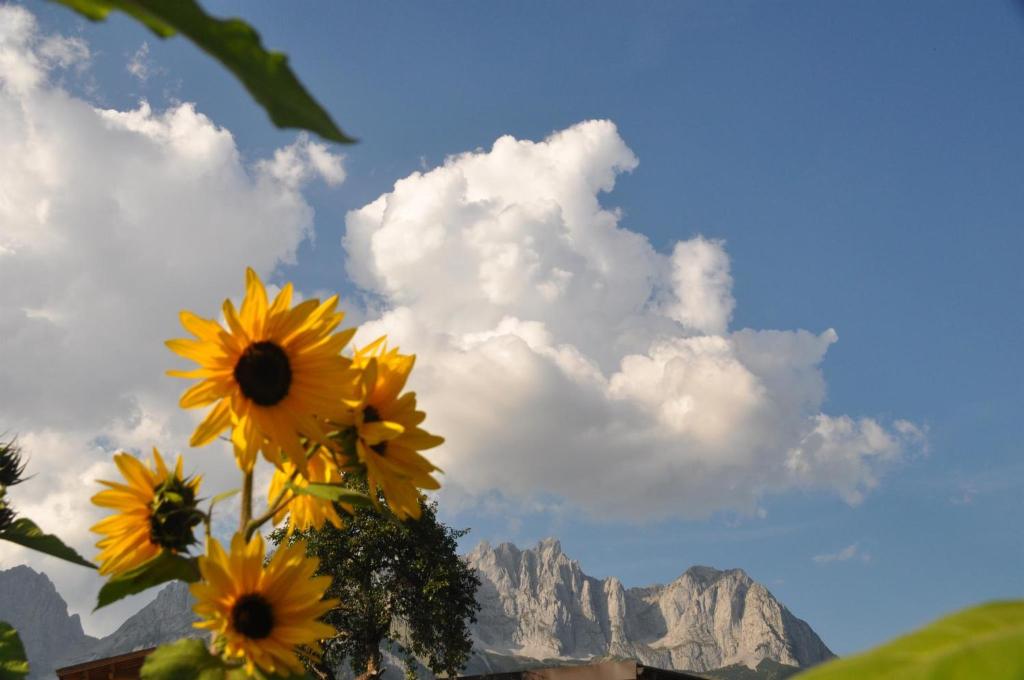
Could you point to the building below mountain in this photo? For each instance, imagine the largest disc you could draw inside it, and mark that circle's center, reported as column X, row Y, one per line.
column 605, row 670
column 121, row 667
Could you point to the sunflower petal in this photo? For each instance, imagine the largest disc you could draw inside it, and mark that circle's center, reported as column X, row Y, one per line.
column 380, row 431
column 254, row 306
column 213, row 424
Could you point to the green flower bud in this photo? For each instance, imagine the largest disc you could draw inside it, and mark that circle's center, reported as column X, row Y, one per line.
column 174, row 514
column 12, row 467
column 6, row 512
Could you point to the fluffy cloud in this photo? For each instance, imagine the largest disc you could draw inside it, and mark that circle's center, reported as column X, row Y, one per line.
column 559, row 353
column 110, row 223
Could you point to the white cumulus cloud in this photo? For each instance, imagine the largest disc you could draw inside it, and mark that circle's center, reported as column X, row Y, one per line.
column 559, row 353
column 110, row 223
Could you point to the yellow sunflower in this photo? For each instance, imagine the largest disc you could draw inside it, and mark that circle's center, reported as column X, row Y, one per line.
column 389, row 438
column 273, row 374
column 305, row 512
column 261, row 614
column 156, row 511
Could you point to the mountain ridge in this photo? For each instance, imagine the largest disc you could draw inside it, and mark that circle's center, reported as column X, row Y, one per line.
column 30, row 602
column 539, row 603
column 537, row 606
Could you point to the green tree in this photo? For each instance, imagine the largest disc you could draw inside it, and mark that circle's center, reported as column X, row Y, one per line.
column 398, row 582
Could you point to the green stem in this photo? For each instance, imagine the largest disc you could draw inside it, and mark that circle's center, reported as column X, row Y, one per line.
column 249, row 524
column 277, row 505
column 246, row 502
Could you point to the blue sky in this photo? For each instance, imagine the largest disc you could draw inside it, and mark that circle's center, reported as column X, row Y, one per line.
column 864, row 165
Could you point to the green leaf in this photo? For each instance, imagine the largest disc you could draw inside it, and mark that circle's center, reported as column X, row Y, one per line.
column 237, row 46
column 192, row 659
column 222, row 497
column 161, row 569
column 333, row 492
column 183, row 659
column 981, row 642
column 13, row 664
column 24, row 532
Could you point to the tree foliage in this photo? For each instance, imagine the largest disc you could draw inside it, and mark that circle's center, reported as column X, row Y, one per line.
column 396, row 581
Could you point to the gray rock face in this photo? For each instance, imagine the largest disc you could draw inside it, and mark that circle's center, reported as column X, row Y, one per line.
column 538, row 603
column 167, row 618
column 30, row 602
column 53, row 639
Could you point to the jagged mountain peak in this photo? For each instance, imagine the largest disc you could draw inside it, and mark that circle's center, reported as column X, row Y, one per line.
column 704, row 573
column 25, row 574
column 550, row 547
column 525, row 567
column 168, row 617
column 537, row 602
column 706, row 576
column 29, row 601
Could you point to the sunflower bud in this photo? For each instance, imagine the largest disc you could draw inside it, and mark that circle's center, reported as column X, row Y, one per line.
column 12, row 467
column 6, row 512
column 174, row 514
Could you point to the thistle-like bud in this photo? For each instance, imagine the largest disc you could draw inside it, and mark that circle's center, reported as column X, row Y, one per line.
column 12, row 466
column 6, row 512
column 174, row 514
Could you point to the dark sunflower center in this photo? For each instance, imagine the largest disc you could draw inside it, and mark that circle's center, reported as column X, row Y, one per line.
column 263, row 373
column 252, row 616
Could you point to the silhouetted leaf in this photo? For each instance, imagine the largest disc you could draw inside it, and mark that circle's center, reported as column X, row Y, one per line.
column 161, row 569
column 182, row 659
column 191, row 659
column 236, row 45
column 24, row 531
column 333, row 492
column 222, row 497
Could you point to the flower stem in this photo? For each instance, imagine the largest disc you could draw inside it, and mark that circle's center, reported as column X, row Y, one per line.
column 278, row 504
column 246, row 501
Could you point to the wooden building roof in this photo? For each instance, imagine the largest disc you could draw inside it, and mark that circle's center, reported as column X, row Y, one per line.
column 120, row 667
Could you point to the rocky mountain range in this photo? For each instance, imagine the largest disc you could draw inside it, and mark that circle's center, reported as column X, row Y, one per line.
column 538, row 603
column 53, row 638
column 538, row 607
column 30, row 602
